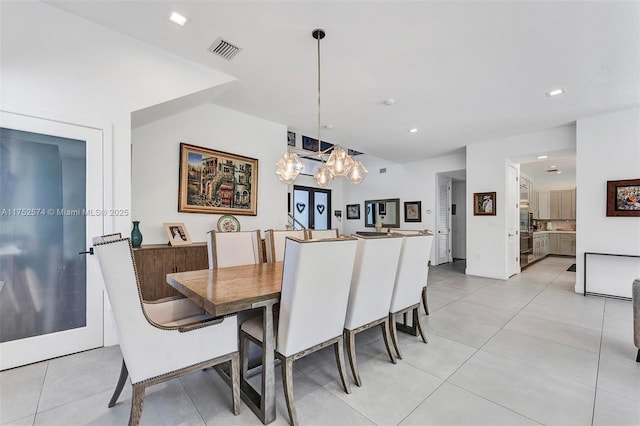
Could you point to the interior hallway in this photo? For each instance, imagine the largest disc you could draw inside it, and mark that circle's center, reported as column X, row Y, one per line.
column 518, row 352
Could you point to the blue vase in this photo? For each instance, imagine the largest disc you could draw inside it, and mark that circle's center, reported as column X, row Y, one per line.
column 136, row 235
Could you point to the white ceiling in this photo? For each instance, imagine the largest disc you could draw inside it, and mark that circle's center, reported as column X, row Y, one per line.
column 461, row 72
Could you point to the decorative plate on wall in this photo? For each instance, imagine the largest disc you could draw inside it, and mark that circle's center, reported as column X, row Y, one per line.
column 228, row 223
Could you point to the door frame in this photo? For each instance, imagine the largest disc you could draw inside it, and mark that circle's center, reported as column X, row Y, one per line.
column 39, row 119
column 440, row 178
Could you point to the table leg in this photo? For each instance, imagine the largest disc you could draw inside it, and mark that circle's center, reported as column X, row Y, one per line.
column 268, row 403
column 263, row 405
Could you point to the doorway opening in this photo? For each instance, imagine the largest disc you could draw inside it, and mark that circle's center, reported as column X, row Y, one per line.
column 311, row 207
column 451, row 208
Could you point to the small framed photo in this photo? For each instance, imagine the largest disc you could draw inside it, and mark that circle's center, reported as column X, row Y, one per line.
column 177, row 234
column 413, row 211
column 291, row 139
column 353, row 211
column 484, row 204
column 623, row 198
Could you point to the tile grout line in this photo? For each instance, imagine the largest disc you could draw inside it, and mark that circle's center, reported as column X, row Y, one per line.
column 324, row 387
column 44, row 379
column 595, row 390
column 469, row 358
column 186, row 391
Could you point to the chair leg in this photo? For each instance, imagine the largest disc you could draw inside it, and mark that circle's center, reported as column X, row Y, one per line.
column 235, row 382
column 417, row 323
column 287, row 381
column 137, row 401
column 339, row 350
column 387, row 340
column 351, row 353
column 638, row 357
column 424, row 300
column 394, row 334
column 124, row 373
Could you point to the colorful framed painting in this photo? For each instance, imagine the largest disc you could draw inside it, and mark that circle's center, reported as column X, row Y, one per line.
column 623, row 197
column 217, row 182
column 353, row 211
column 484, row 204
column 413, row 211
column 177, row 234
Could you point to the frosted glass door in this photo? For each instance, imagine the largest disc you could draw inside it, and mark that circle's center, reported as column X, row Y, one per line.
column 321, row 210
column 301, row 207
column 312, row 207
column 50, row 206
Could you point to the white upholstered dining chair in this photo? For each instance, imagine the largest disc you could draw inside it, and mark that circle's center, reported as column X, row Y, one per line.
column 410, row 280
column 319, row 234
column 372, row 283
column 425, row 302
column 315, row 289
column 169, row 311
column 154, row 352
column 233, row 248
column 274, row 241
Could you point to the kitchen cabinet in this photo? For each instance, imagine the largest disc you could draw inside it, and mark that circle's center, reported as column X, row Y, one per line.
column 543, row 205
column 154, row 262
column 562, row 204
column 554, row 243
column 567, row 244
column 562, row 244
column 540, row 246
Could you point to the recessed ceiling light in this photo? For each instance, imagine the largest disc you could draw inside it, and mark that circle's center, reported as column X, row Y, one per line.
column 413, row 130
column 178, row 19
column 389, row 102
column 328, row 126
column 556, row 92
column 542, row 157
column 552, row 167
column 559, row 172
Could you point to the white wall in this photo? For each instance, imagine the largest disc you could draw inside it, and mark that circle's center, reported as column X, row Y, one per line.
column 156, row 153
column 56, row 65
column 459, row 220
column 63, row 65
column 608, row 148
column 415, row 181
column 486, row 172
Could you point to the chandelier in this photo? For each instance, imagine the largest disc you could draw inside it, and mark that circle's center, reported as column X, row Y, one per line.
column 335, row 160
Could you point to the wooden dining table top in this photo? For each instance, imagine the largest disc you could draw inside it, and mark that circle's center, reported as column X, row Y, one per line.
column 229, row 290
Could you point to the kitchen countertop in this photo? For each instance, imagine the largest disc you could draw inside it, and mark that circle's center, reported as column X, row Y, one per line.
column 553, row 232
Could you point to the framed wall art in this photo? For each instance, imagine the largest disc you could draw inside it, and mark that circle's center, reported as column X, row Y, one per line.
column 623, row 197
column 217, row 182
column 413, row 211
column 177, row 234
column 311, row 144
column 484, row 204
column 353, row 211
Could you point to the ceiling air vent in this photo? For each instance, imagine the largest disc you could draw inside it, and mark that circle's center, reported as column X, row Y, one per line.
column 223, row 48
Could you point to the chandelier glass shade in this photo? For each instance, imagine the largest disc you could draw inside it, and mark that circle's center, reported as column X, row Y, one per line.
column 338, row 163
column 289, row 167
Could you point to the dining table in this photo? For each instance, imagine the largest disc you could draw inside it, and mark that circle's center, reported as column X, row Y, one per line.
column 228, row 291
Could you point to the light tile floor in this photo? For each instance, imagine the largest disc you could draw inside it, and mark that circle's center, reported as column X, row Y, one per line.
column 518, row 352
